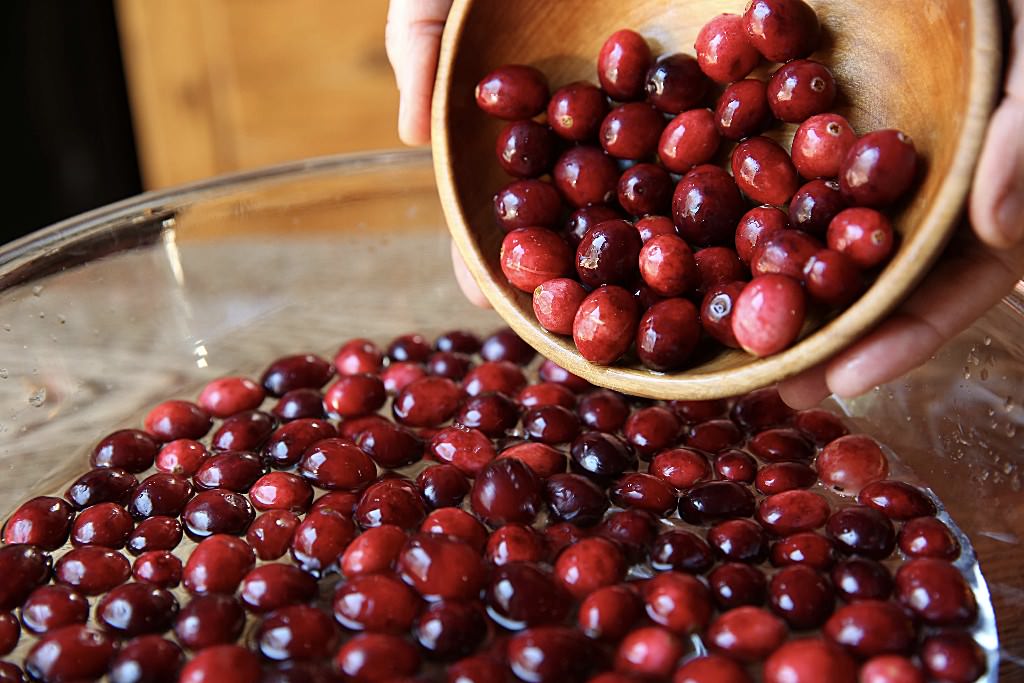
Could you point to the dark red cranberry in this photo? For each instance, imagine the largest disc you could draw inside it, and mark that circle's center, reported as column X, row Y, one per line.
column 810, row 659
column 609, row 613
column 245, row 431
column 298, row 404
column 633, row 530
column 608, row 254
column 158, row 567
column 747, row 634
column 503, row 377
column 469, row 450
column 512, row 91
column 676, row 83
column 650, row 227
column 761, row 409
column 229, row 396
column 305, row 371
column 522, row 596
column 127, row 449
column 896, row 500
column 878, row 169
column 717, row 266
column 631, row 131
column 781, row 30
column 644, row 492
column 546, row 394
column 11, row 673
column 786, row 253
column 928, row 537
column 819, row 425
column 376, row 603
column 682, row 551
column 814, row 206
column 588, row 565
column 862, row 531
column 390, row 445
column 337, row 464
column 586, row 175
column 606, row 323
column 723, row 50
column 871, row 627
column 506, row 491
column 801, row 596
column 832, row 278
column 602, row 455
column 652, row 429
column 793, row 511
column 781, row 445
column 103, row 524
column 358, row 355
column 320, row 539
column 182, row 456
column 295, row 633
column 850, row 463
column 952, row 656
column 713, row 436
column 785, row 476
column 232, row 470
column 51, row 607
column 481, row 668
column 681, row 467
column 555, row 303
column 147, row 659
column 688, row 140
column 678, row 602
column 155, row 533
column 716, row 312
column 344, row 502
column 391, row 501
column 427, row 402
column 523, row 204
column 575, row 112
column 711, row 669
column 355, row 395
column 755, row 227
column 742, row 110
column 739, row 540
column 804, row 547
column 136, row 609
column 217, row 511
column 645, row 189
column 736, row 466
column 891, row 669
column 859, row 578
column 525, row 148
column 173, row 420
column 222, row 663
column 863, row 235
column 551, row 424
column 548, row 654
column 449, row 364
column 603, row 411
column 270, row 535
column 707, row 206
column 457, row 523
column 716, row 500
column 514, row 543
column 375, row 550
column 667, row 334
column 622, row 65
column 451, row 629
column 820, row 145
column 768, row 314
column 209, row 620
column 650, row 651
column 438, row 567
column 102, row 485
column 582, row 220
column 442, row 485
column 72, row 653
column 667, row 266
column 493, row 414
column 92, row 570
column 800, row 89
column 407, row 348
column 764, row 171
column 574, row 498
column 273, row 586
column 281, row 491
column 217, row 565
column 733, row 585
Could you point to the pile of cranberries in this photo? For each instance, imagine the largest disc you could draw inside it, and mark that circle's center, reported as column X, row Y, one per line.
column 664, row 249
column 435, row 515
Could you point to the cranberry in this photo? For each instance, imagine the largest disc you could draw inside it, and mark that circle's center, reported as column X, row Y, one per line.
column 546, row 394
column 456, row 523
column 723, row 50
column 103, row 524
column 864, row 235
column 652, row 429
column 832, row 278
column 478, row 669
column 650, row 227
column 748, row 634
column 739, row 540
column 820, row 425
column 525, row 149
column 146, row 659
column 633, row 530
column 711, row 669
column 808, row 660
column 400, row 374
column 298, row 404
column 602, row 455
column 158, row 567
column 760, row 409
column 585, row 175
column 513, row 91
column 321, row 538
column 555, row 303
column 442, row 485
column 736, row 466
column 587, row 217
column 870, row 628
column 716, row 500
column 682, row 551
column 850, row 463
column 707, row 206
column 678, row 602
column 878, row 169
column 521, row 596
column 172, row 420
column 246, row 431
column 675, row 83
column 494, row 414
column 11, row 673
column 681, row 467
column 863, row 531
column 764, row 171
column 272, row 586
column 182, row 456
column 645, row 189
column 792, row 511
column 506, row 491
column 575, row 112
column 155, row 533
column 768, row 314
column 804, row 547
column 622, row 65
column 603, row 410
column 651, row 651
column 229, row 396
column 232, row 470
column 137, row 608
column 644, row 492
column 667, row 334
column 51, row 607
column 337, row 464
column 450, row 629
column 305, row 371
column 92, row 570
column 217, row 511
column 228, row 663
column 427, row 402
column 800, row 89
column 375, row 550
column 127, row 449
column 667, row 265
column 295, row 632
column 270, row 535
column 588, row 565
column 609, row 613
column 859, row 578
column 801, row 596
column 717, row 309
column 814, row 206
column 785, row 476
column 469, row 450
column 514, row 543
column 820, row 145
column 501, row 376
column 217, row 565
column 690, row 139
column 781, row 30
column 605, row 324
column 355, row 395
column 755, row 227
column 608, row 254
column 358, row 355
column 209, row 620
column 953, row 657
column 573, row 498
column 928, row 537
column 72, row 653
column 101, row 485
column 734, row 584
column 631, row 131
column 896, row 500
column 408, row 348
column 438, row 567
column 780, row 445
column 742, row 110
column 891, row 669
column 376, row 603
column 391, row 501
column 551, row 424
column 717, row 266
column 281, row 491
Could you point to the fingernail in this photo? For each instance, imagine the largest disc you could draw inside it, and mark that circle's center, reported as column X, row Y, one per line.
column 1010, row 216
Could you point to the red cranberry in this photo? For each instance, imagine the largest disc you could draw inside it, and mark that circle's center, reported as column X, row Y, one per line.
column 469, row 450
column 785, row 476
column 878, row 169
column 820, row 145
column 748, row 634
column 337, row 464
column 800, row 89
column 321, row 538
column 358, row 355
column 49, row 608
column 232, row 470
column 72, row 653
column 173, row 420
column 289, row 441
column 650, row 651
column 442, row 485
column 478, row 669
column 376, row 603
column 391, row 501
column 928, row 537
column 295, row 632
column 622, row 65
column 354, row 395
column 652, row 429
column 633, row 530
column 676, row 83
column 217, row 511
column 305, row 371
column 146, row 659
column 780, row 445
column 451, row 629
column 896, row 500
column 763, row 171
column 137, row 608
column 952, row 656
column 814, row 206
column 707, row 206
column 228, row 663
column 644, row 492
column 668, row 334
column 717, row 309
column 588, row 565
column 576, row 499
column 681, row 467
column 739, row 540
column 582, row 220
column 514, row 543
column 501, row 376
column 11, row 673
column 525, row 149
column 809, row 660
column 272, row 586
column 717, row 266
column 575, row 113
column 586, row 175
column 711, row 669
column 408, row 348
column 512, row 91
column 602, row 455
column 158, row 567
column 870, row 628
column 608, row 254
column 438, row 567
column 891, row 669
column 456, row 523
column 650, row 227
column 532, row 256
column 781, row 30
column 549, row 654
column 736, row 466
column 506, row 491
column 605, row 324
column 645, row 189
column 127, row 449
column 209, row 620
column 555, row 303
column 155, row 533
column 427, row 402
column 551, row 425
column 546, row 394
column 92, row 570
column 760, row 409
column 270, row 535
column 862, row 531
column 716, row 500
column 667, row 265
column 182, row 456
column 859, row 578
column 768, row 314
column 609, row 613
column 631, row 131
column 804, row 547
column 375, row 550
column 734, row 585
column 688, row 140
column 801, row 596
column 864, row 235
column 757, row 225
column 104, row 524
column 494, row 414
column 603, row 410
column 522, row 596
column 820, row 425
column 792, row 511
column 723, row 50
column 246, row 431
column 281, row 491
column 742, row 110
column 682, row 551
column 523, row 204
column 850, row 463
column 101, row 485
column 678, row 602
column 832, row 278
column 229, row 396
column 217, row 565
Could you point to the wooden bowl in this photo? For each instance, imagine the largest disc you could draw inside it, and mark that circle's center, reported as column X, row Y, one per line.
column 931, row 71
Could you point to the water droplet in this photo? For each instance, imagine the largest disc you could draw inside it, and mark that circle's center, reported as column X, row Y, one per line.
column 967, row 372
column 37, row 397
column 61, row 318
column 1008, row 468
column 7, row 327
column 42, row 314
column 1011, row 430
column 3, row 373
column 37, row 290
column 988, row 340
column 991, row 412
column 1008, row 404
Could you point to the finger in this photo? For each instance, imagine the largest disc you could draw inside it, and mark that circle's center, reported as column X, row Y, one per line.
column 806, row 390
column 466, row 281
column 956, row 293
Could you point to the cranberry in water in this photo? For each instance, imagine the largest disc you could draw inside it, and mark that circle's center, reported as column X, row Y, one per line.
column 427, row 402
column 651, row 651
column 246, row 431
column 676, row 83
column 551, row 425
column 337, row 464
column 101, row 485
column 781, row 30
column 521, row 596
column 707, row 206
column 227, row 663
column 780, row 445
column 494, row 414
column 514, row 543
column 408, row 348
column 622, row 65
column 633, row 530
column 182, row 456
column 233, row 470
column 555, row 303
column 736, row 466
column 391, row 501
column 105, row 524
column 691, row 138
column 716, row 500
column 682, row 551
column 681, row 467
column 602, row 455
column 764, row 171
column 546, row 394
column 606, row 323
column 724, row 52
column 785, row 476
column 792, row 511
column 155, row 533
column 603, row 410
column 217, row 565
column 768, row 314
column 438, row 567
column 820, row 425
column 272, row 586
column 51, row 607
column 678, row 602
column 859, row 578
column 652, row 429
column 871, row 627
column 862, row 531
column 760, row 409
column 358, row 355
column 800, row 89
column 442, row 485
column 525, row 149
column 748, row 634
column 298, row 404
column 891, row 669
column 229, row 396
column 295, row 633
column 137, row 608
column 896, row 500
column 742, row 110
column 72, row 653
column 304, row 371
column 575, row 113
column 586, row 175
column 644, row 492
column 209, row 620
column 503, row 377
column 850, row 463
column 936, row 592
column 173, row 420
column 375, row 550
column 809, row 660
column 609, row 613
column 801, row 596
column 928, row 537
column 631, row 131
column 451, row 629
column 354, row 395
column 92, row 570
column 377, row 603
column 549, row 654
column 588, row 565
column 127, row 449
column 270, row 534
column 506, row 491
column 952, row 656
column 739, row 540
column 863, row 235
column 878, row 169
column 804, row 547
column 469, row 450
column 734, row 585
column 456, row 523
column 158, row 567
column 711, row 669
column 149, row 659
column 574, row 498
column 217, row 511
column 512, row 92
column 820, row 145
column 321, row 538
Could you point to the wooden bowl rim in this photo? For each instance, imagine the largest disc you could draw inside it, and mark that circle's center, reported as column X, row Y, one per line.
column 908, row 267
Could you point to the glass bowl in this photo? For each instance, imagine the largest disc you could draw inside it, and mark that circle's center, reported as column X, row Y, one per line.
column 104, row 315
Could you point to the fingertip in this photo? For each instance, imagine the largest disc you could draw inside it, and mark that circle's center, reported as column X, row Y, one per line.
column 413, row 122
column 466, row 282
column 997, row 195
column 806, row 390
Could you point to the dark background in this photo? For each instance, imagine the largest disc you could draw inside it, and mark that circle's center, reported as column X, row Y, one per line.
column 69, row 143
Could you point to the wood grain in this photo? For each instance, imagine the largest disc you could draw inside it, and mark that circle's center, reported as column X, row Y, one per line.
column 941, row 96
